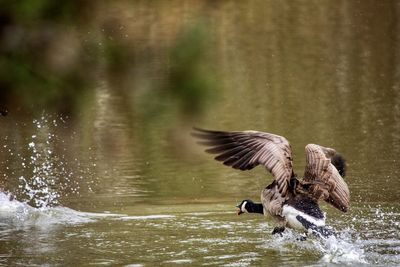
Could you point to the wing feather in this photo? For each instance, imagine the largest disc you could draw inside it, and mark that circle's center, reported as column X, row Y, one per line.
column 326, row 182
column 245, row 150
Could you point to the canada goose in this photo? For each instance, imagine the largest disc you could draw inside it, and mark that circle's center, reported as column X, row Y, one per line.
column 292, row 201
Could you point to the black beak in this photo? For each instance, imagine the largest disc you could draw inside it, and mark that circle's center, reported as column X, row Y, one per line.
column 238, row 210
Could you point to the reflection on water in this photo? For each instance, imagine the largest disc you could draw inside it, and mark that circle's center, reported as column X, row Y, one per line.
column 124, row 183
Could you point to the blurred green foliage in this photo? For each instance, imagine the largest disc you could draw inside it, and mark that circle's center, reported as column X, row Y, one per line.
column 189, row 82
column 190, row 78
column 43, row 63
column 53, row 54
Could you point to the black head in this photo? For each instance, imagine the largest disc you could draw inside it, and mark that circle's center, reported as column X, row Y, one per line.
column 242, row 207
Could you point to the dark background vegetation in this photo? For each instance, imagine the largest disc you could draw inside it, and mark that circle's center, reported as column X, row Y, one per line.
column 53, row 56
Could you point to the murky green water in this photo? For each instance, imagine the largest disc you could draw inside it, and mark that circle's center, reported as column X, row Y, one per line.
column 120, row 186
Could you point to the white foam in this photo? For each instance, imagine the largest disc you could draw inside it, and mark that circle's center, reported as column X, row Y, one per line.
column 21, row 214
column 340, row 251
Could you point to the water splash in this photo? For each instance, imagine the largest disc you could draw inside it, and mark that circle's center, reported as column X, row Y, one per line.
column 338, row 250
column 47, row 173
column 341, row 250
column 378, row 232
column 20, row 214
column 40, row 187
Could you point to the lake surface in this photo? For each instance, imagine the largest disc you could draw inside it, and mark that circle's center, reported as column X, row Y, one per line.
column 121, row 185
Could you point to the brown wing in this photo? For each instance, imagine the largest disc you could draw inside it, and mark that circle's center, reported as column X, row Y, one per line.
column 326, row 182
column 247, row 149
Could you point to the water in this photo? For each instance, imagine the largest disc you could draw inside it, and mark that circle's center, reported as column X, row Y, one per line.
column 174, row 235
column 120, row 185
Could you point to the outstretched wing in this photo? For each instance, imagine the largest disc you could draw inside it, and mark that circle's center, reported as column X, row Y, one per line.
column 323, row 177
column 246, row 149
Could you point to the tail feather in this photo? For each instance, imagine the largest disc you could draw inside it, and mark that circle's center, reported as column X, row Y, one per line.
column 318, row 230
column 340, row 164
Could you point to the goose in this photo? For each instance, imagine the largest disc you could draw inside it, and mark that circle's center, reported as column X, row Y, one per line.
column 293, row 202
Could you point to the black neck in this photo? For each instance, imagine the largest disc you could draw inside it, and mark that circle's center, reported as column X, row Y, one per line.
column 255, row 208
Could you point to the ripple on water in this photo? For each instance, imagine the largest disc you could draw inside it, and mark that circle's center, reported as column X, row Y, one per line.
column 179, row 261
column 218, row 239
column 147, row 217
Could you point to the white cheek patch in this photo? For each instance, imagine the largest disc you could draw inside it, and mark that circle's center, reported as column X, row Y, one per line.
column 243, row 207
column 290, row 214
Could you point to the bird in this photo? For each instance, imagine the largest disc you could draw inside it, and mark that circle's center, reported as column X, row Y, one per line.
column 292, row 201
